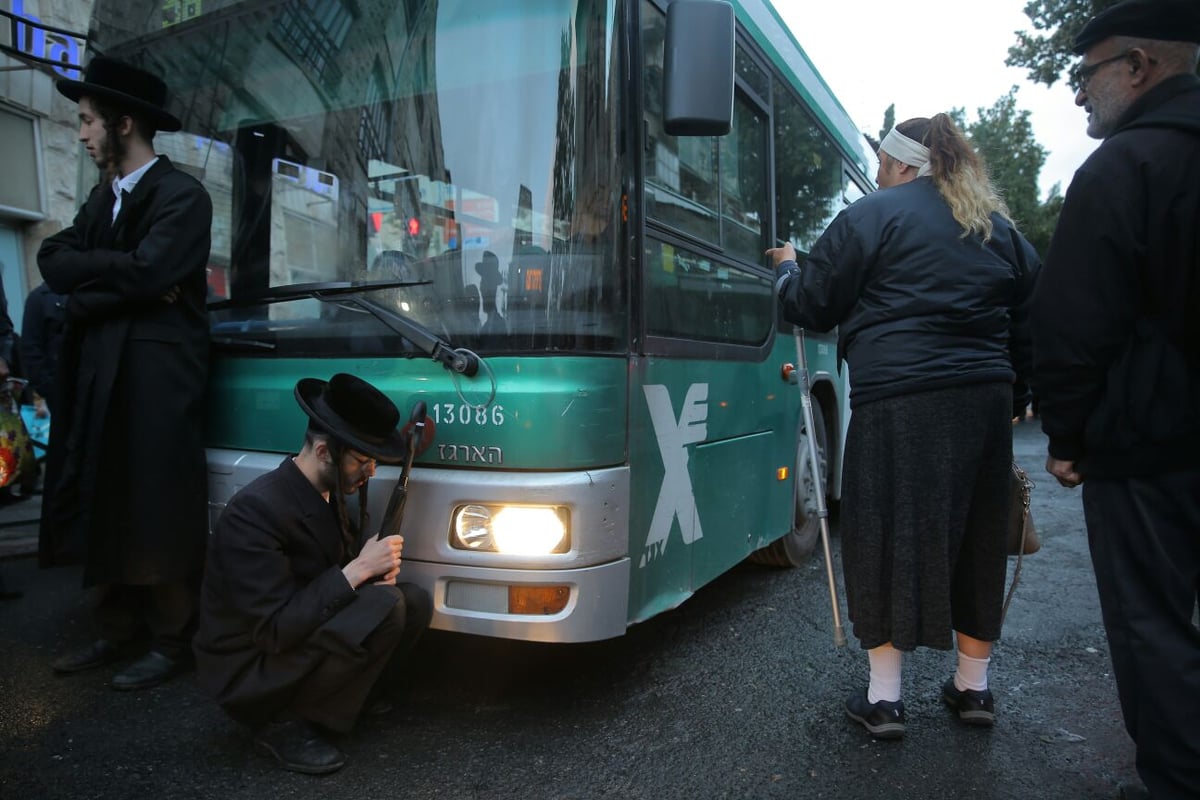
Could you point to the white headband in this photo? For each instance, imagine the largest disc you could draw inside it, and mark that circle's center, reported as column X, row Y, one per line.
column 907, row 150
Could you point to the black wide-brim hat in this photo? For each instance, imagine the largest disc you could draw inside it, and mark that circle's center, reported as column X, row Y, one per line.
column 1162, row 20
column 128, row 87
column 355, row 413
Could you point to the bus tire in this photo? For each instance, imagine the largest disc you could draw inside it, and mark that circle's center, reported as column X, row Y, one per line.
column 795, row 547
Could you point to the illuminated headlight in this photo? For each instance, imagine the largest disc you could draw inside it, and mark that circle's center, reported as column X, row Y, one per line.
column 516, row 530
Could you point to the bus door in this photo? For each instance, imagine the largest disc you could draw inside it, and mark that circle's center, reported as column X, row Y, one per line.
column 704, row 448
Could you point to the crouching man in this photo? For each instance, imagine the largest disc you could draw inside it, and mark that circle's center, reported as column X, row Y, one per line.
column 301, row 623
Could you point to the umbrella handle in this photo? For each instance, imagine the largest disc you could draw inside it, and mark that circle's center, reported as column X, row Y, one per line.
column 394, row 514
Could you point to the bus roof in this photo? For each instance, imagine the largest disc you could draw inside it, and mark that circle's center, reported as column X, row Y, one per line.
column 771, row 33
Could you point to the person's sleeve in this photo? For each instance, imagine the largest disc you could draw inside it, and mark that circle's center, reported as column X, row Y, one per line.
column 1020, row 339
column 34, row 358
column 63, row 259
column 1084, row 305
column 164, row 257
column 7, row 339
column 820, row 294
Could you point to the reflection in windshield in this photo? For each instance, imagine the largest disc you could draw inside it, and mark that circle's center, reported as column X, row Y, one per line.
column 468, row 149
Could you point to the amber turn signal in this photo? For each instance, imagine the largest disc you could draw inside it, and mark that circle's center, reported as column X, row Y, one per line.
column 543, row 600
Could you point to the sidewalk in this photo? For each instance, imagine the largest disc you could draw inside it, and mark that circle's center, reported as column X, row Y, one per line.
column 19, row 526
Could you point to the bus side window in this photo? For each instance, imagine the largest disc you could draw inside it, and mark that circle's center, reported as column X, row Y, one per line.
column 689, row 296
column 809, row 170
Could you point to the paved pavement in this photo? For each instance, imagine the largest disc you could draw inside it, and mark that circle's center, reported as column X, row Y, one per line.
column 737, row 694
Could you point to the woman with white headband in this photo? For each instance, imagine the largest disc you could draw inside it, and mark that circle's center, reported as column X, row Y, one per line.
column 927, row 282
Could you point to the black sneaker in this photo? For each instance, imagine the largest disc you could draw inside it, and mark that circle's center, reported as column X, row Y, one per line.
column 972, row 707
column 298, row 747
column 885, row 720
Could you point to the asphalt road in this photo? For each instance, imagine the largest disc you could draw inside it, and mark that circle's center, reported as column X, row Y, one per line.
column 736, row 694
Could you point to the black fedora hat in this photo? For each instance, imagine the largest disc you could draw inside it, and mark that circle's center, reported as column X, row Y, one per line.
column 355, row 413
column 131, row 88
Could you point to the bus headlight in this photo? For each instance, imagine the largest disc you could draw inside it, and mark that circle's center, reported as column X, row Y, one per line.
column 516, row 530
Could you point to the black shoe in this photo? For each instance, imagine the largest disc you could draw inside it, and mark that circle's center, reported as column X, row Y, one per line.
column 972, row 707
column 298, row 747
column 379, row 707
column 1132, row 791
column 885, row 720
column 149, row 670
column 96, row 654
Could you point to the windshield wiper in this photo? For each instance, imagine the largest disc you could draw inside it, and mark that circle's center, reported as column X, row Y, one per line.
column 464, row 362
column 460, row 361
column 282, row 294
column 235, row 343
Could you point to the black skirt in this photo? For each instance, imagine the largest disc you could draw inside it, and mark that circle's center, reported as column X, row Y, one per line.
column 924, row 512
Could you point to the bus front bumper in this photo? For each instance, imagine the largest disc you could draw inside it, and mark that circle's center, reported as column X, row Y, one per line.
column 482, row 601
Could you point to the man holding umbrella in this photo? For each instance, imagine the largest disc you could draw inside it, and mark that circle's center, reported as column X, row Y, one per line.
column 301, row 623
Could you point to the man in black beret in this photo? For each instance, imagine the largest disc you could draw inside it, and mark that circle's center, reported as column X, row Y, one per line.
column 126, row 477
column 1117, row 366
column 302, row 623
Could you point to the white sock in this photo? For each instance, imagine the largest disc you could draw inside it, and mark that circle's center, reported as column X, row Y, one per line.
column 971, row 673
column 885, row 674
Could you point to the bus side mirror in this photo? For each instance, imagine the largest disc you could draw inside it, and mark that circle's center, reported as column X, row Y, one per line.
column 698, row 68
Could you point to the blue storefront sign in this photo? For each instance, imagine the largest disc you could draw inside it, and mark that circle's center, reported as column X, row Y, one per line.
column 61, row 50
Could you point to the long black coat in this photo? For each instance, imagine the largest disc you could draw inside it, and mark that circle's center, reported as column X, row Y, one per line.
column 275, row 603
column 127, row 443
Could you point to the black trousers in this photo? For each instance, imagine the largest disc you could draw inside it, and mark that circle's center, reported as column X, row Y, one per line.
column 166, row 610
column 1144, row 535
column 336, row 691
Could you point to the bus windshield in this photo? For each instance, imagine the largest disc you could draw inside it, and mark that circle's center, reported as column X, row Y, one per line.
column 436, row 147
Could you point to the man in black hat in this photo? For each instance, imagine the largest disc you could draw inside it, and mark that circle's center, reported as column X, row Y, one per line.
column 1117, row 366
column 127, row 488
column 301, row 623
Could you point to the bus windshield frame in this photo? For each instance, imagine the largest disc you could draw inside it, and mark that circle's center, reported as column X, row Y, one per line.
column 447, row 153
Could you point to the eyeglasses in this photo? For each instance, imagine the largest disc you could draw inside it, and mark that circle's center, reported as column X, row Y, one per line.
column 360, row 459
column 1081, row 74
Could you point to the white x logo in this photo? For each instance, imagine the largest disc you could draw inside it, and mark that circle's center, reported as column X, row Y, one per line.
column 675, row 499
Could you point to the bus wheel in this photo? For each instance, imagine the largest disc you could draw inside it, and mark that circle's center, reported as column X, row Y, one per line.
column 795, row 548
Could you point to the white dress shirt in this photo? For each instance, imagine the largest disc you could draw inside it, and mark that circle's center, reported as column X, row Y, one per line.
column 127, row 183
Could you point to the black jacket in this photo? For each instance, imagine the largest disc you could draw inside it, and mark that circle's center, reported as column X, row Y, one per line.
column 917, row 305
column 129, row 494
column 1117, row 313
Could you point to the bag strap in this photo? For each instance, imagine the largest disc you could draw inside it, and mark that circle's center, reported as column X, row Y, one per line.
column 1026, row 492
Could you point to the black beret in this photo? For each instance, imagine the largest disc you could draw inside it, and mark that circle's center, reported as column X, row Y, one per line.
column 1164, row 20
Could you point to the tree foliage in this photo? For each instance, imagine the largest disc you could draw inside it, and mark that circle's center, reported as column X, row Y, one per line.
column 889, row 121
column 1046, row 50
column 1003, row 136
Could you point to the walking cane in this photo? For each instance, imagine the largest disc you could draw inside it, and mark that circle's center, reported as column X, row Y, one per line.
column 839, row 635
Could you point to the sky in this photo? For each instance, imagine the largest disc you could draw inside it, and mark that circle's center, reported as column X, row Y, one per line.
column 928, row 56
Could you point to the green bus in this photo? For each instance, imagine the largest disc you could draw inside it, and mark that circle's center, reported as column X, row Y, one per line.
column 477, row 204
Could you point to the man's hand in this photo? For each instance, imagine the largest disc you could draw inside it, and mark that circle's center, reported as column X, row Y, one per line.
column 377, row 562
column 785, row 252
column 4, row 370
column 1064, row 472
column 171, row 296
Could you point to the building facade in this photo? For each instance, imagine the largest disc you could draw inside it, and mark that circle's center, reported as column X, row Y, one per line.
column 43, row 172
